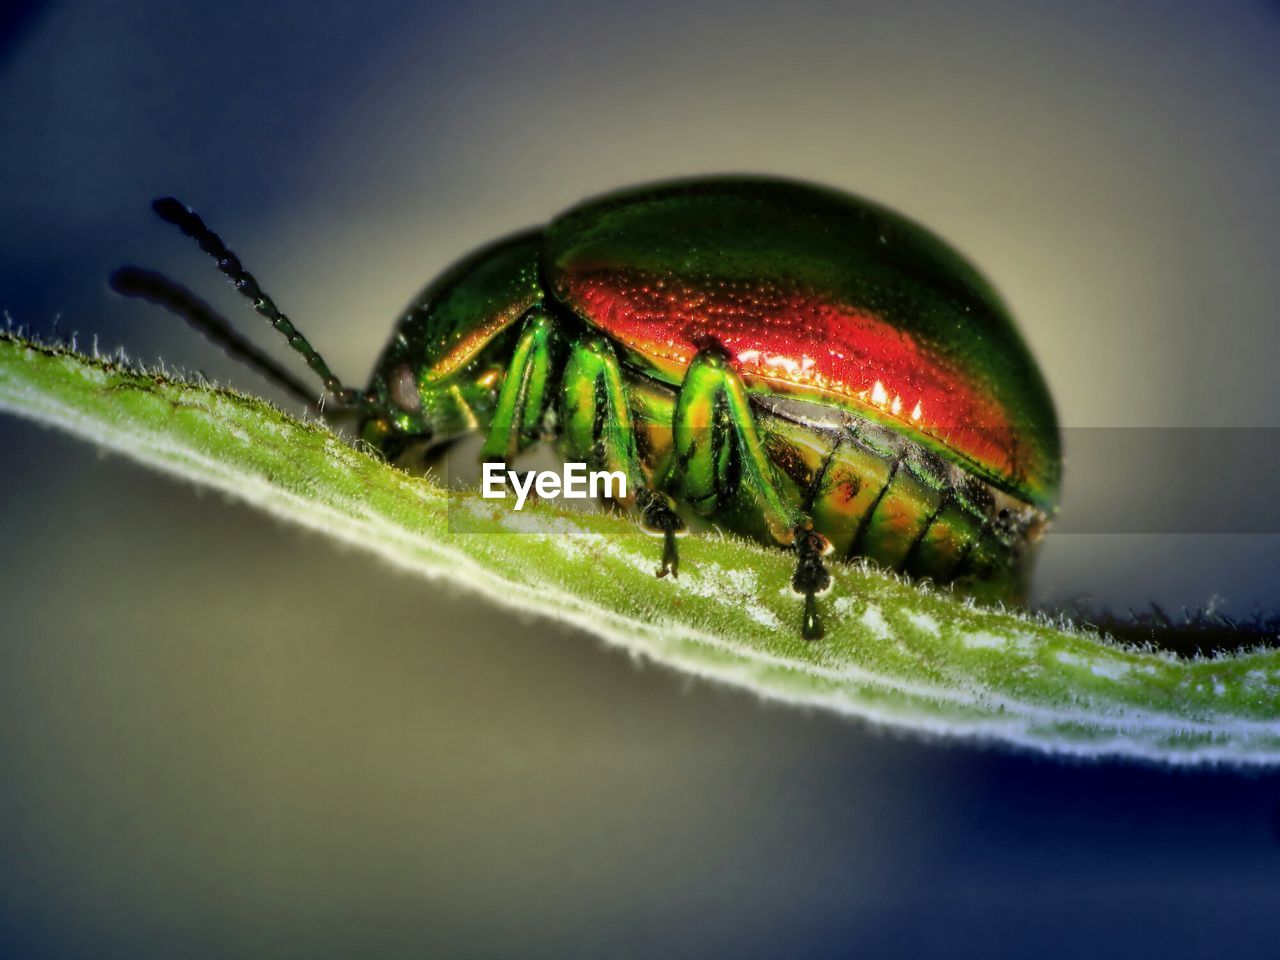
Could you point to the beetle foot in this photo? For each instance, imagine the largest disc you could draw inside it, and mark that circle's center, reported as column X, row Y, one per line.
column 658, row 517
column 811, row 578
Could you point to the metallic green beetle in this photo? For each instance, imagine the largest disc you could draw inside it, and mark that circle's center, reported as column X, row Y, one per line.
column 796, row 364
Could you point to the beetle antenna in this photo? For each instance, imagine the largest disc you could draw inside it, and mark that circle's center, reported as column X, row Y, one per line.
column 189, row 222
column 130, row 281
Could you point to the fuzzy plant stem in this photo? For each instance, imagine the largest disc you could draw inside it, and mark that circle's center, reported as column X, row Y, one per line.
column 895, row 653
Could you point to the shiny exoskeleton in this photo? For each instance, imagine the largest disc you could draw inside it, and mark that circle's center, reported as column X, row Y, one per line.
column 796, row 364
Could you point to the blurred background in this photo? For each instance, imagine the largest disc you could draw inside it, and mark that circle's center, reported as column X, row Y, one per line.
column 224, row 737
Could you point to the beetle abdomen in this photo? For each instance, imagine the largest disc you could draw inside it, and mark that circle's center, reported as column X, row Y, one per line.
column 876, row 493
column 871, row 491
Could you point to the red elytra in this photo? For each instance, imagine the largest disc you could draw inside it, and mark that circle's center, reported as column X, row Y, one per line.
column 793, row 341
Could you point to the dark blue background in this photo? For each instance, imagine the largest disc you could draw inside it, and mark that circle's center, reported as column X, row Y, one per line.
column 222, row 737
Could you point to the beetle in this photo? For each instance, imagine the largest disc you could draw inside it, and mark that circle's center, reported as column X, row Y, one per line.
column 796, row 364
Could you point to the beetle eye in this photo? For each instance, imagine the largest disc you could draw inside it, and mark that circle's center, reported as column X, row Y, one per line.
column 403, row 389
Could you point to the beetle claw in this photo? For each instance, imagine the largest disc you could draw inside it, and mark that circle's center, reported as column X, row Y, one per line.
column 670, row 555
column 811, row 627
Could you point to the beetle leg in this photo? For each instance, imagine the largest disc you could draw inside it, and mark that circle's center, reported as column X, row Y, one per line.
column 596, row 426
column 720, row 462
column 658, row 517
column 811, row 577
column 522, row 401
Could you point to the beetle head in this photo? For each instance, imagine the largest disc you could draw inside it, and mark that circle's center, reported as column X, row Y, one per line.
column 404, row 407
